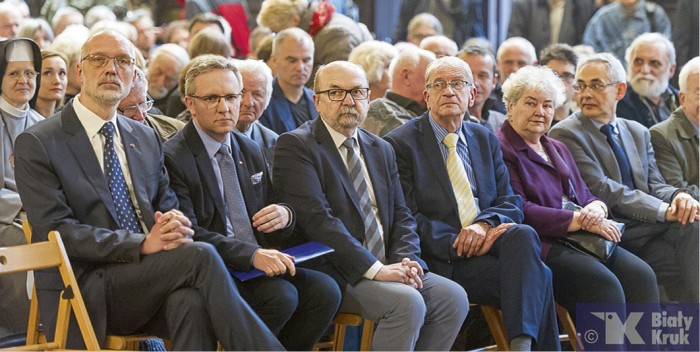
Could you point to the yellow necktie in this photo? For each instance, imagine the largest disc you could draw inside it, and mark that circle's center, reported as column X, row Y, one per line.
column 460, row 182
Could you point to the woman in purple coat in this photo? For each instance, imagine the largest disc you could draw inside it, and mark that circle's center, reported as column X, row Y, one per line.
column 544, row 173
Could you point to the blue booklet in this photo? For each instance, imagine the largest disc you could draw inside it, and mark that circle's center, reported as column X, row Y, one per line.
column 301, row 253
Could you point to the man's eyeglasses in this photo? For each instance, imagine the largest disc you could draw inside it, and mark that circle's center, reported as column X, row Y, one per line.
column 340, row 94
column 566, row 76
column 132, row 110
column 28, row 75
column 440, row 85
column 595, row 86
column 99, row 60
column 212, row 101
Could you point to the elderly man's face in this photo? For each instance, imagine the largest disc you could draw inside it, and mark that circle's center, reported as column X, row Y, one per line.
column 146, row 33
column 600, row 104
column 690, row 98
column 649, row 70
column 107, row 69
column 511, row 59
column 421, row 32
column 136, row 105
column 9, row 24
column 162, row 75
column 449, row 102
column 347, row 114
column 293, row 63
column 214, row 106
column 66, row 21
column 253, row 99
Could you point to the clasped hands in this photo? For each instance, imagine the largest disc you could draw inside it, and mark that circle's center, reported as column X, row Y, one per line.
column 477, row 238
column 407, row 271
column 171, row 230
column 593, row 219
column 684, row 209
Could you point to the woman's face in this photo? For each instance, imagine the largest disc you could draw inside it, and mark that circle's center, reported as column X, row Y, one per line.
column 19, row 83
column 41, row 39
column 54, row 79
column 531, row 116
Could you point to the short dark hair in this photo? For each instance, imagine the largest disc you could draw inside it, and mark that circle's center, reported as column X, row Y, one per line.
column 560, row 52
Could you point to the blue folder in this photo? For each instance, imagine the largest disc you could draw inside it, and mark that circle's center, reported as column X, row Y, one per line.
column 301, row 253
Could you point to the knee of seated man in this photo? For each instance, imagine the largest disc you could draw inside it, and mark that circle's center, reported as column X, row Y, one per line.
column 522, row 236
column 410, row 306
column 201, row 255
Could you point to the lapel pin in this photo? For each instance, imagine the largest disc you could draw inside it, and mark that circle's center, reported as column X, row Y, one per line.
column 132, row 146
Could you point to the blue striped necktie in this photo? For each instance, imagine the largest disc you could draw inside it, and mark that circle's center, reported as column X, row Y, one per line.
column 126, row 213
column 373, row 238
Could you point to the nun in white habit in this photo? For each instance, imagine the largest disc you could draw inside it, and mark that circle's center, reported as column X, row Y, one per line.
column 20, row 63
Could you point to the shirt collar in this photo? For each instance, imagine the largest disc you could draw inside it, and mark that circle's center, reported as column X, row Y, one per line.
column 210, row 144
column 90, row 121
column 12, row 110
column 339, row 138
column 441, row 132
column 613, row 123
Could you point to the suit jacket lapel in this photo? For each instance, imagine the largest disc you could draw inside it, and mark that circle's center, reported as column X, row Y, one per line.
column 81, row 148
column 206, row 171
column 135, row 160
column 633, row 155
column 429, row 145
column 599, row 144
column 323, row 137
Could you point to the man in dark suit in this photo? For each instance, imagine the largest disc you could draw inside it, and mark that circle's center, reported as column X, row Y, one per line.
column 468, row 229
column 359, row 211
column 616, row 159
column 129, row 244
column 293, row 59
column 298, row 306
column 257, row 91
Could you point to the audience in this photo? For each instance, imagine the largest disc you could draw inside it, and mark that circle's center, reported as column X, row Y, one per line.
column 98, row 13
column 10, row 18
column 460, row 19
column 256, row 95
column 52, row 87
column 209, row 41
column 291, row 104
column 139, row 271
column 616, row 160
column 20, row 59
column 343, row 185
column 64, row 17
column 483, row 68
column 68, row 44
column 146, row 31
column 514, row 53
column 421, row 26
column 469, row 222
column 177, row 32
column 137, row 104
column 37, row 30
column 404, row 100
column 651, row 62
column 675, row 140
column 439, row 45
column 163, row 71
column 239, row 218
column 374, row 57
column 562, row 59
column 556, row 201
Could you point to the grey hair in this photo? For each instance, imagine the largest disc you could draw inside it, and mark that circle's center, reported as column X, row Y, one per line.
column 346, row 64
column 519, row 42
column 65, row 11
column 538, row 78
column 424, row 18
column 31, row 25
column 690, row 68
column 174, row 50
column 207, row 63
column 615, row 70
column 258, row 67
column 651, row 38
column 478, row 50
column 373, row 56
column 99, row 13
column 449, row 61
column 409, row 58
column 297, row 34
column 140, row 80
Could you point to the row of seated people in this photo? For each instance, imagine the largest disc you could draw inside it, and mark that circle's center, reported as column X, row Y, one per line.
column 475, row 215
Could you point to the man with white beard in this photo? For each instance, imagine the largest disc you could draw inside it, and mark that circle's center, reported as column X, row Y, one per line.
column 163, row 71
column 651, row 62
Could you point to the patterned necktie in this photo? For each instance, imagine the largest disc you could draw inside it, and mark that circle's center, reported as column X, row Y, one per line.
column 373, row 238
column 233, row 197
column 622, row 162
column 126, row 212
column 460, row 181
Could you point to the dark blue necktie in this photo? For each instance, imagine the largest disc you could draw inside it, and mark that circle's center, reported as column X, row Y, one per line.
column 117, row 184
column 622, row 162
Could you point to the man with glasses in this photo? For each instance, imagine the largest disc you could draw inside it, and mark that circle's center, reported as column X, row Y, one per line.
column 562, row 59
column 483, row 67
column 137, row 104
column 224, row 186
column 457, row 186
column 616, row 160
column 98, row 178
column 343, row 184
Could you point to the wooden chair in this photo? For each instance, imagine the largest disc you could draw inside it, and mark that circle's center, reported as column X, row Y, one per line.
column 494, row 319
column 341, row 322
column 35, row 335
column 44, row 255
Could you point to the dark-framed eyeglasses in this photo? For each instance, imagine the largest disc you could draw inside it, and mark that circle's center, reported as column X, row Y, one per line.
column 337, row 94
column 441, row 85
column 99, row 60
column 137, row 108
column 212, row 101
column 594, row 86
